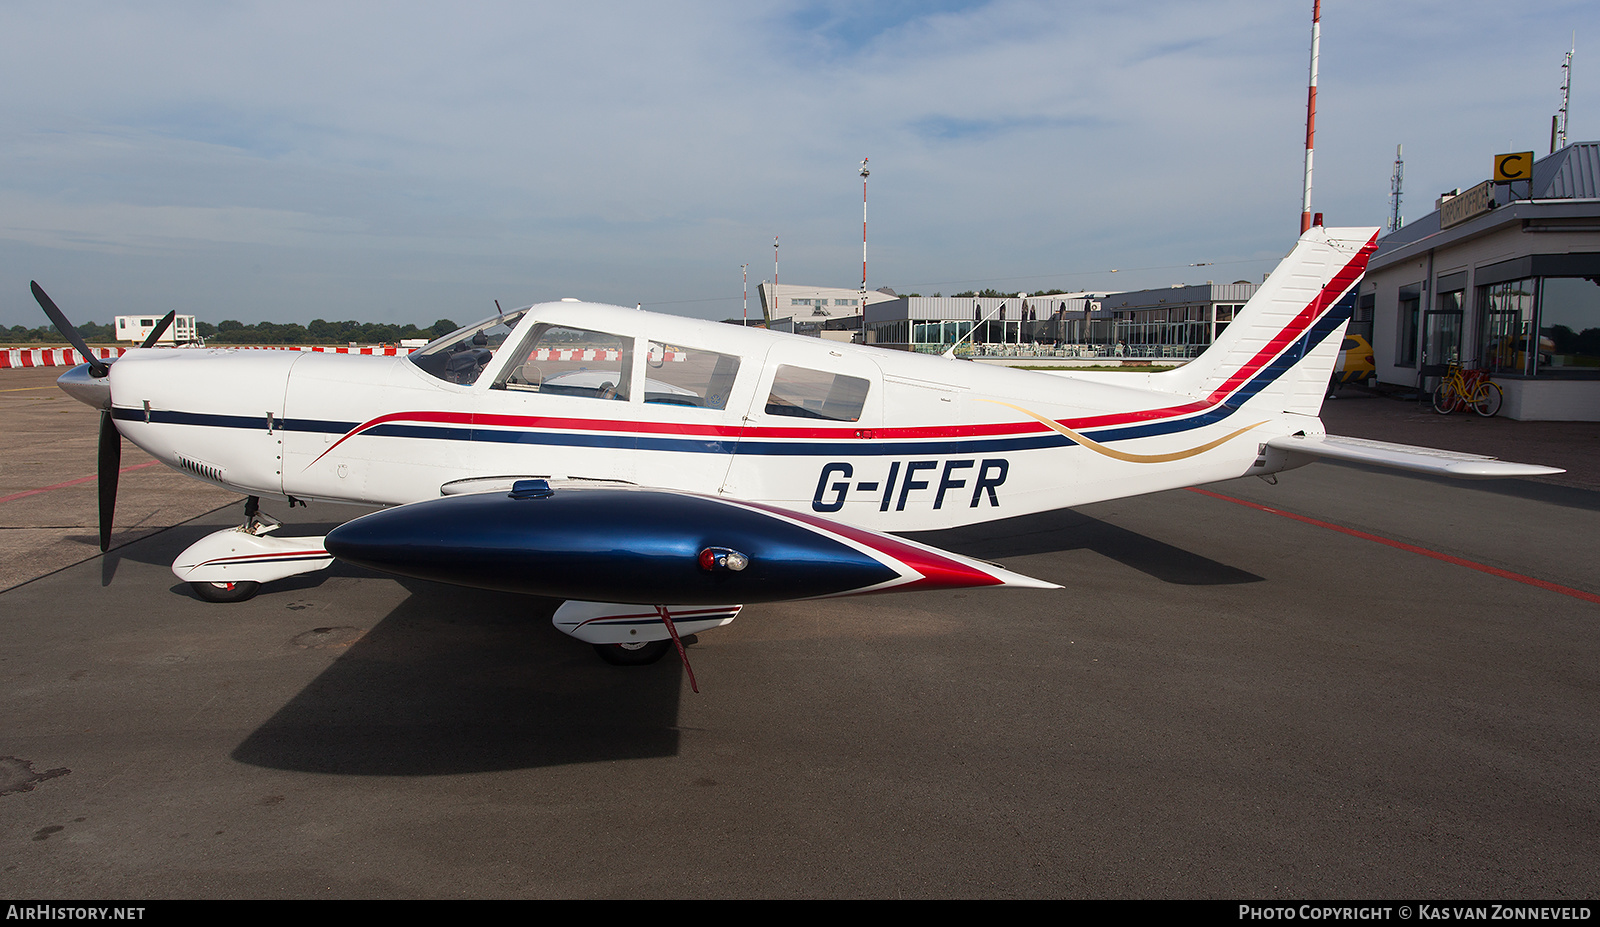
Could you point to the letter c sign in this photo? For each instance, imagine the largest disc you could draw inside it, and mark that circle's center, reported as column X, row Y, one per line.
column 1517, row 165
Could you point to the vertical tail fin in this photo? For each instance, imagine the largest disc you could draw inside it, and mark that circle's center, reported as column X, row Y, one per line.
column 1280, row 349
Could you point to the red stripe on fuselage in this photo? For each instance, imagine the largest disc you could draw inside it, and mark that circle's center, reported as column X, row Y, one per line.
column 1291, row 332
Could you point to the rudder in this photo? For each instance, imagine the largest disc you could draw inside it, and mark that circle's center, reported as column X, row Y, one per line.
column 1280, row 349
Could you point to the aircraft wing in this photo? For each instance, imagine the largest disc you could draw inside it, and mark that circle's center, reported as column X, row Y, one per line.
column 1408, row 457
column 627, row 544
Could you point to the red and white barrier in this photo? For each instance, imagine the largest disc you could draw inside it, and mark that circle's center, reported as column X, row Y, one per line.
column 52, row 357
column 386, row 351
column 575, row 354
column 69, row 357
column 592, row 354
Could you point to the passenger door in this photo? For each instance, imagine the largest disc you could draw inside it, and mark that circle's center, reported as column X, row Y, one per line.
column 813, row 405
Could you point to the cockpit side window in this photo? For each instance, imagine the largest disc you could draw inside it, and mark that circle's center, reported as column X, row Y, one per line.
column 683, row 376
column 461, row 356
column 804, row 393
column 563, row 361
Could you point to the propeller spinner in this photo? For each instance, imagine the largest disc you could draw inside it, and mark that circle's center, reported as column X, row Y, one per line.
column 109, row 454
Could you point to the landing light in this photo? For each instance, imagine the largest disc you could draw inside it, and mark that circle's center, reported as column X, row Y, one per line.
column 713, row 558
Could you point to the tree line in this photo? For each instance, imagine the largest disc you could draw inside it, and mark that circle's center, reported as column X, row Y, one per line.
column 232, row 331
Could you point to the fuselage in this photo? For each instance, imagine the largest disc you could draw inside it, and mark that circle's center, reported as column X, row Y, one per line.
column 883, row 439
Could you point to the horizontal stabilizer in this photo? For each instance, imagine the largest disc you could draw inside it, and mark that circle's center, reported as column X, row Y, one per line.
column 1408, row 457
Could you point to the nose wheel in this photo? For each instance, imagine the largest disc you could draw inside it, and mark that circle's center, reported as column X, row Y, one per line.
column 640, row 654
column 230, row 565
column 226, row 592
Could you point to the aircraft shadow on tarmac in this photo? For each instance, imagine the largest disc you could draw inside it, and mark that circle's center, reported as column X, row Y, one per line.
column 457, row 680
column 452, row 680
column 1567, row 496
column 1066, row 530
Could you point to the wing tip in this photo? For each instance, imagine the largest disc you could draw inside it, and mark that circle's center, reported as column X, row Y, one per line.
column 1456, row 464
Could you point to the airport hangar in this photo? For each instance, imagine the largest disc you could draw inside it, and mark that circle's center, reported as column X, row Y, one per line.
column 1489, row 270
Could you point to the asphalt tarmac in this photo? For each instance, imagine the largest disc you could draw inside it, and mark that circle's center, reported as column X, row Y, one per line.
column 1267, row 700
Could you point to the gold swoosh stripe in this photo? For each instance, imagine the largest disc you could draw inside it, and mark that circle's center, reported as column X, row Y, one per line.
column 1099, row 448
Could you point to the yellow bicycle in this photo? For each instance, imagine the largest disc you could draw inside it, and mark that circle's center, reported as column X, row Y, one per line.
column 1467, row 389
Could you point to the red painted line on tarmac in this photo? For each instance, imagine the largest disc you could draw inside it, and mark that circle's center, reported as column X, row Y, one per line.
column 81, row 479
column 1411, row 548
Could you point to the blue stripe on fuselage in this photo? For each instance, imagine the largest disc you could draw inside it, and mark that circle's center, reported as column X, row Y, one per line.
column 1268, row 375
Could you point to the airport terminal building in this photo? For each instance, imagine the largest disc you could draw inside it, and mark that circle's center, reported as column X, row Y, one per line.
column 1505, row 278
column 982, row 325
column 1170, row 322
column 815, row 310
column 1176, row 321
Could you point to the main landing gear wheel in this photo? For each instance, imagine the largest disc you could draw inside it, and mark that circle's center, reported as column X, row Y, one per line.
column 641, row 654
column 226, row 592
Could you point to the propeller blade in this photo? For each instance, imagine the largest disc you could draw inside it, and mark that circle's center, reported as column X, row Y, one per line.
column 109, row 456
column 110, row 462
column 159, row 330
column 59, row 320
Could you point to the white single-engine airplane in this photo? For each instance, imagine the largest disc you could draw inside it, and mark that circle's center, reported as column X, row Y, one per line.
column 653, row 470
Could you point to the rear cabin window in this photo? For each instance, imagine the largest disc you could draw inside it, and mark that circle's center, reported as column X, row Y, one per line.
column 682, row 376
column 804, row 393
column 572, row 362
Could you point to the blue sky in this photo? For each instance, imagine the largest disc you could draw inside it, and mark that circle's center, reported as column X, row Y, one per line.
column 408, row 162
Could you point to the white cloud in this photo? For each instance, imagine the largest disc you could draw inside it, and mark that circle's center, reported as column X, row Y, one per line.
column 157, row 230
column 301, row 160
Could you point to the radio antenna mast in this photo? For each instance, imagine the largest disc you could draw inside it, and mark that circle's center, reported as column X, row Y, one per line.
column 1395, row 220
column 1560, row 140
column 864, row 173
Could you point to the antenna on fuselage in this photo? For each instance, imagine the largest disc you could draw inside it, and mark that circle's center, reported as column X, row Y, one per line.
column 498, row 311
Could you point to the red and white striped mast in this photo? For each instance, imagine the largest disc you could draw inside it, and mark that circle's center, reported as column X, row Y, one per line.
column 1311, row 112
column 864, row 173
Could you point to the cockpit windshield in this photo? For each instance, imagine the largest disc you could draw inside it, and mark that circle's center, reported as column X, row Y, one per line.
column 462, row 355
